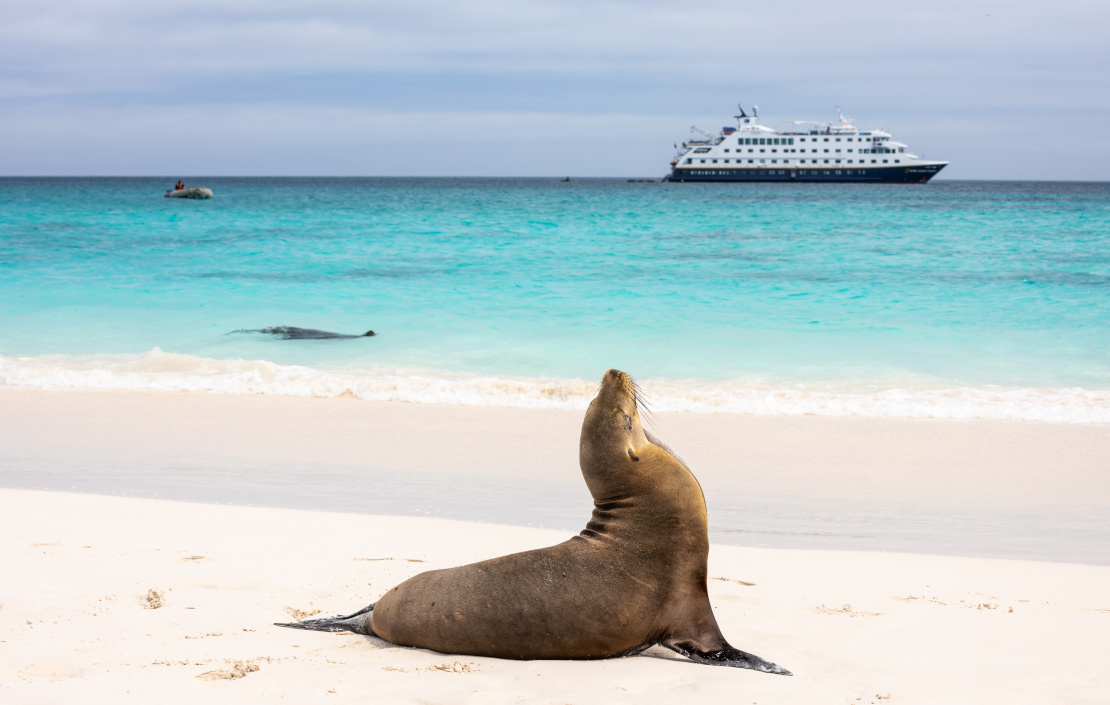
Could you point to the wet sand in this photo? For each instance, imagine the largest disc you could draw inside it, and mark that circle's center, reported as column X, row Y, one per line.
column 977, row 488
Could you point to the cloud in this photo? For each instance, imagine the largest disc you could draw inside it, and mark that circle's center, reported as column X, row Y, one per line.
column 909, row 66
column 292, row 139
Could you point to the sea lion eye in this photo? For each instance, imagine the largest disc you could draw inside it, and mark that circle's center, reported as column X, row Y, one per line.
column 628, row 422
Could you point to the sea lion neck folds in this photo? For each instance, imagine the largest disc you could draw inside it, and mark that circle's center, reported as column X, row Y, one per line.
column 634, row 577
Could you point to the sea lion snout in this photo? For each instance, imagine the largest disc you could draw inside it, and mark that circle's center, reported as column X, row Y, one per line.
column 617, row 393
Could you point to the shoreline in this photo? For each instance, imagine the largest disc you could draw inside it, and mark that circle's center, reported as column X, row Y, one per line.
column 78, row 615
column 889, row 395
column 980, row 488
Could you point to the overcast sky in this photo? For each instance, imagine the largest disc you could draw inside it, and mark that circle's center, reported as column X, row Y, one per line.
column 1011, row 89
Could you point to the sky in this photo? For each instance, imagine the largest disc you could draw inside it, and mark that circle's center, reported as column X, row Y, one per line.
column 1002, row 90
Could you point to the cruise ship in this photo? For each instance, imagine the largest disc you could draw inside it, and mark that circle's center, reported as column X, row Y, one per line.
column 819, row 152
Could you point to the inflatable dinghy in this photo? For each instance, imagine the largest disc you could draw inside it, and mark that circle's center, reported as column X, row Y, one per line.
column 191, row 192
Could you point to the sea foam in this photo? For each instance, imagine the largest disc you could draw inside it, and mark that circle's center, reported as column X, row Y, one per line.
column 161, row 371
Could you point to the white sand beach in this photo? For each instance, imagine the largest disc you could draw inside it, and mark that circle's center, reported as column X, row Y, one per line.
column 125, row 599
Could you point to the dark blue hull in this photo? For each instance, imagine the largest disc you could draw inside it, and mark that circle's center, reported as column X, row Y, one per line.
column 889, row 175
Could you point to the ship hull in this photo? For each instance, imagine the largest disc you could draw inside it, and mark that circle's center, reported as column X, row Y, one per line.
column 914, row 174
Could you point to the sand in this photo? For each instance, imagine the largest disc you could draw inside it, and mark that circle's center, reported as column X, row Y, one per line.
column 131, row 600
column 123, row 599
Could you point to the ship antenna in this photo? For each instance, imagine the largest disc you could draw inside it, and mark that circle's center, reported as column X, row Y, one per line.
column 742, row 113
column 755, row 110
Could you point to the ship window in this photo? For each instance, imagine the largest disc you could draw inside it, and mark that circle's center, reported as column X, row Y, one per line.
column 726, row 149
column 885, row 161
column 763, row 150
column 703, row 161
column 774, row 150
column 837, row 161
column 872, row 161
column 791, row 140
column 801, row 139
column 689, row 160
column 763, row 140
column 751, row 150
column 838, row 150
column 838, row 139
column 897, row 161
column 848, row 150
column 826, row 151
column 826, row 139
column 815, row 151
column 714, row 161
column 849, row 139
column 751, row 161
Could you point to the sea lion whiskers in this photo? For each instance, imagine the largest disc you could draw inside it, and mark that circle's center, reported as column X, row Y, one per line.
column 643, row 406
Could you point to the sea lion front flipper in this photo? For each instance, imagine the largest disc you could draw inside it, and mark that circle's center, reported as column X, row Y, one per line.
column 345, row 623
column 727, row 656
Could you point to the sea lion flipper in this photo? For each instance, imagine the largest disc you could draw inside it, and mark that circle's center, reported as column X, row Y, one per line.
column 345, row 623
column 727, row 656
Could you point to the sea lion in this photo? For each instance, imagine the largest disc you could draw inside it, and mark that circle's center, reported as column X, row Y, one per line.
column 635, row 577
column 294, row 333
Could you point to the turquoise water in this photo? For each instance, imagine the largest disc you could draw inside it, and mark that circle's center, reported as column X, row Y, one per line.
column 952, row 299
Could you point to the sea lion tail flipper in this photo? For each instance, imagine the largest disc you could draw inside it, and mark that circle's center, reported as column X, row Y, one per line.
column 344, row 623
column 726, row 656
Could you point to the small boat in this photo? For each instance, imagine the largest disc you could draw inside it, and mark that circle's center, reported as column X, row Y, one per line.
column 191, row 192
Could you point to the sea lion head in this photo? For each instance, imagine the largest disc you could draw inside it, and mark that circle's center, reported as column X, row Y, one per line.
column 613, row 438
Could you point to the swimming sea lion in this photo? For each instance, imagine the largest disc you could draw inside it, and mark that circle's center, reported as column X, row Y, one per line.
column 635, row 577
column 294, row 333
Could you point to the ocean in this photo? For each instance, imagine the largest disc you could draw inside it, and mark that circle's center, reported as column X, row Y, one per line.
column 954, row 299
column 951, row 300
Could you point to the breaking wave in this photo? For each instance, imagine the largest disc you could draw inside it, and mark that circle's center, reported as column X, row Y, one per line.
column 160, row 371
